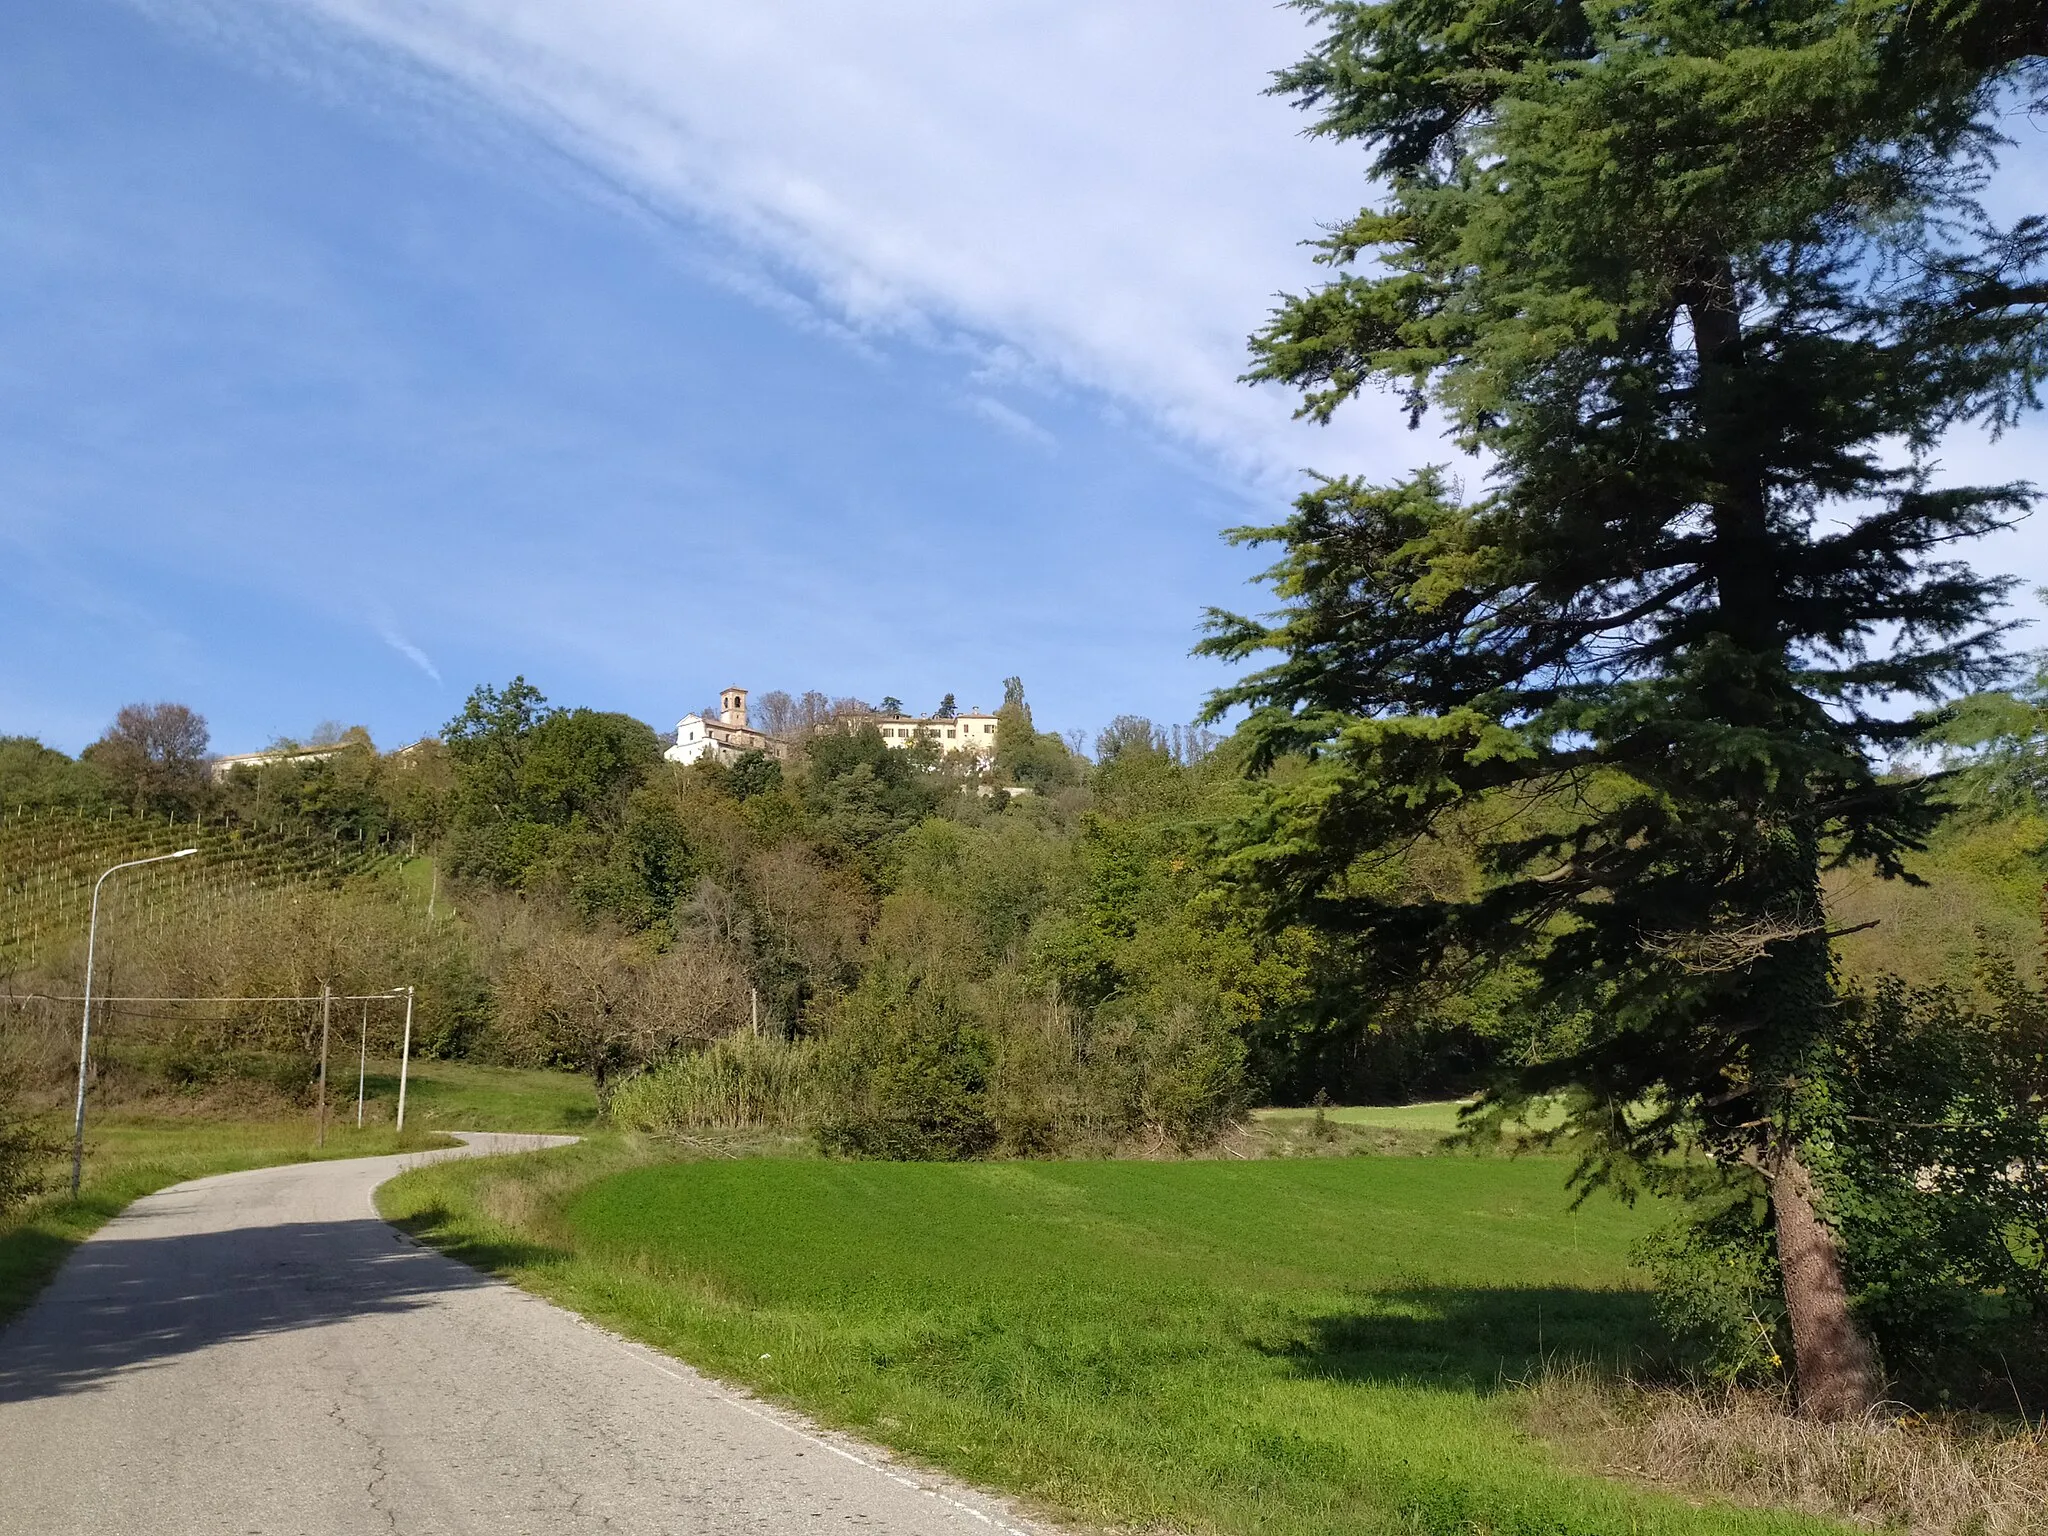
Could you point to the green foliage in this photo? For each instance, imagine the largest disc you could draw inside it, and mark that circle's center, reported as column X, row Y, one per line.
column 487, row 743
column 1174, row 1067
column 1718, row 1287
column 581, row 763
column 907, row 1079
column 861, row 793
column 1681, row 273
column 1025, row 756
column 27, row 1144
column 540, row 796
column 1927, row 1118
column 755, row 773
column 1977, row 891
column 35, row 777
column 737, row 1081
column 1938, row 1170
column 908, row 1057
column 344, row 794
column 1996, row 746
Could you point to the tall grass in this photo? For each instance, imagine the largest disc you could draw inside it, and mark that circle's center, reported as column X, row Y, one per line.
column 1949, row 1477
column 737, row 1082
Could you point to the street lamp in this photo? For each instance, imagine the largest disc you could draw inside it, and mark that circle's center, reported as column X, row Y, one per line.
column 85, row 1026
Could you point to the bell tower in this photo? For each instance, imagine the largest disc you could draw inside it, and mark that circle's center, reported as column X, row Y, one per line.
column 732, row 707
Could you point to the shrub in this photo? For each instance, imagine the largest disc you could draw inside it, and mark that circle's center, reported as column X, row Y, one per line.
column 26, row 1146
column 739, row 1081
column 1939, row 1173
column 1926, row 1128
column 907, row 1080
column 1718, row 1293
column 1190, row 1077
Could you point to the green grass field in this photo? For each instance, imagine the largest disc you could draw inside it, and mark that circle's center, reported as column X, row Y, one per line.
column 1440, row 1116
column 464, row 1096
column 1293, row 1346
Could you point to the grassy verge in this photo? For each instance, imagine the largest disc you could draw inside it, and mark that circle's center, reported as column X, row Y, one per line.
column 1290, row 1346
column 131, row 1154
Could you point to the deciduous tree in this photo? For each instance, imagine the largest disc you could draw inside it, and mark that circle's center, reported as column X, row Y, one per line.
column 155, row 757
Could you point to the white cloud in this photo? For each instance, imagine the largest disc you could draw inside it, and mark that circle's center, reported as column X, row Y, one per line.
column 1077, row 192
column 387, row 631
column 1090, row 193
column 1007, row 418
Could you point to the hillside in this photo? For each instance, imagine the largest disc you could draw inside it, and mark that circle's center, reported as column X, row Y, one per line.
column 50, row 859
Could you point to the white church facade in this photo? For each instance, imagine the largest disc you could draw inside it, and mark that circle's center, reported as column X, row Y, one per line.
column 724, row 740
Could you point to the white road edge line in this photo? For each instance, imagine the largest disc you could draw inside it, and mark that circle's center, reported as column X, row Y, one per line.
column 648, row 1357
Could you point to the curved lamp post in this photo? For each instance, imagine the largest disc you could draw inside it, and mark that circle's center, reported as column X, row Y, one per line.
column 85, row 1026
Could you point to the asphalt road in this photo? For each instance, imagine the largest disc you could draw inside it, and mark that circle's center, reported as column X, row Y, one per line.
column 259, row 1353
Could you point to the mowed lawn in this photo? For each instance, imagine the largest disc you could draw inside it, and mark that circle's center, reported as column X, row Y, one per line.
column 1290, row 1346
column 1439, row 1116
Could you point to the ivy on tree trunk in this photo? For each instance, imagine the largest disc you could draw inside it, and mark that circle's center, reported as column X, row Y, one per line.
column 1702, row 287
column 1836, row 1377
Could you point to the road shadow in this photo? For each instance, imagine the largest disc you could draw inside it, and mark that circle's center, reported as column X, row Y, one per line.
column 122, row 1304
column 1472, row 1339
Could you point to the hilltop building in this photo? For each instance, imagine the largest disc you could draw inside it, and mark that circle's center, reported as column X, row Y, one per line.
column 725, row 739
column 973, row 733
column 221, row 767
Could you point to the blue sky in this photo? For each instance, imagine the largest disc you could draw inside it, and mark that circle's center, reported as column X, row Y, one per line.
column 353, row 352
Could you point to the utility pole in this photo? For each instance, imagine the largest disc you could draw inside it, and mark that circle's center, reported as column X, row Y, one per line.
column 404, row 1058
column 326, row 1017
column 362, row 1063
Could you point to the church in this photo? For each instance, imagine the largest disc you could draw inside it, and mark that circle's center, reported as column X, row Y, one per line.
column 725, row 739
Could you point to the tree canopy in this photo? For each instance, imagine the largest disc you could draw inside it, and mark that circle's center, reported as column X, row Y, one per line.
column 1704, row 286
column 154, row 756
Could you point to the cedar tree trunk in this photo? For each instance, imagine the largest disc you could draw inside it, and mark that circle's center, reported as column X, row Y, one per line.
column 1837, row 1378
